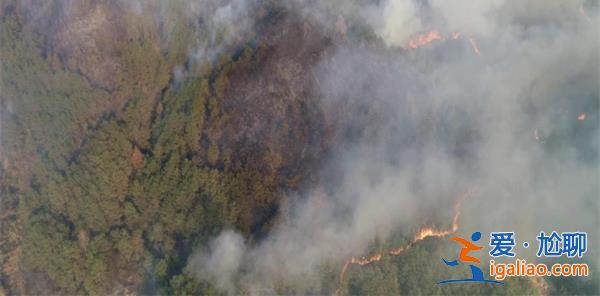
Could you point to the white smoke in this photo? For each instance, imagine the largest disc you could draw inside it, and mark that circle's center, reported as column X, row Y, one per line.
column 224, row 262
column 219, row 23
column 441, row 119
column 400, row 22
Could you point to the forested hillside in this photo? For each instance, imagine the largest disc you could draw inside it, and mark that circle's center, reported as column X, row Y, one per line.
column 110, row 179
column 124, row 151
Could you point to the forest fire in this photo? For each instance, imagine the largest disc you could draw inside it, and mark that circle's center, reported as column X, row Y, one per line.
column 427, row 38
column 423, row 233
column 426, row 232
column 424, row 39
column 299, row 147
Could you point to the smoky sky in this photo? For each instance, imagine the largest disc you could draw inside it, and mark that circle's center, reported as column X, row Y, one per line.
column 440, row 119
column 415, row 127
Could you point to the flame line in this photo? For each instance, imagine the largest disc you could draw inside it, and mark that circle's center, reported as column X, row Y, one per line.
column 426, row 38
column 423, row 233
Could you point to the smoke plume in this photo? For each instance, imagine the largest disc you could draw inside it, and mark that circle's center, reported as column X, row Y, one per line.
column 416, row 127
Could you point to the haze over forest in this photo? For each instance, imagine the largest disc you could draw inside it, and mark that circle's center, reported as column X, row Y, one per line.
column 215, row 147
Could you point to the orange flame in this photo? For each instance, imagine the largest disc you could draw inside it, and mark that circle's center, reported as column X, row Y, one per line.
column 426, row 38
column 422, row 234
column 581, row 117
